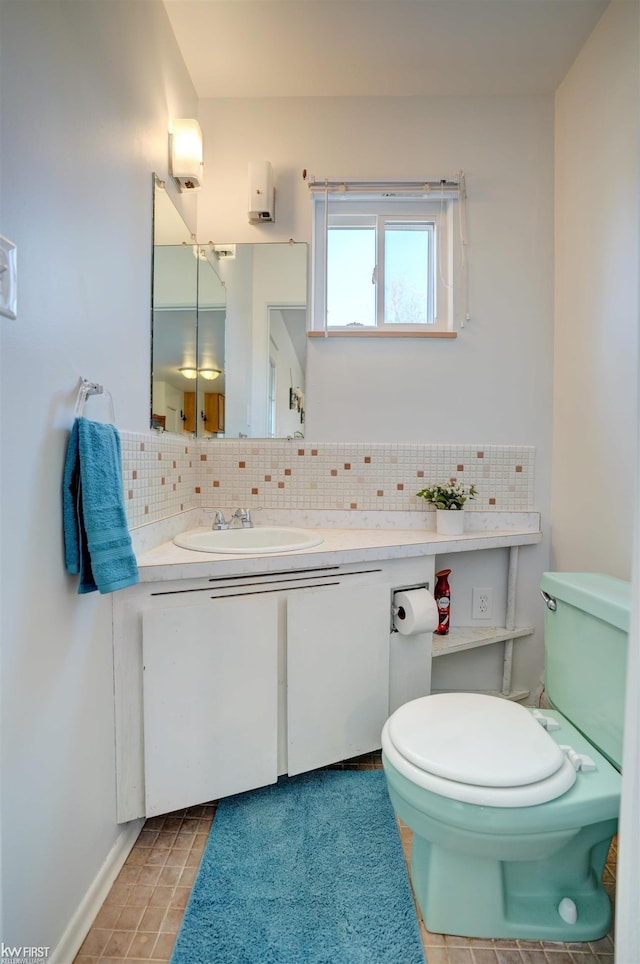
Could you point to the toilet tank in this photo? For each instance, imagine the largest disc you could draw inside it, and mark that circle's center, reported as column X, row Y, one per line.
column 586, row 653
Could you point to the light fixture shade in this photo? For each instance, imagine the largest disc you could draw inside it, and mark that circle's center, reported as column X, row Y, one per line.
column 188, row 372
column 186, row 153
column 209, row 373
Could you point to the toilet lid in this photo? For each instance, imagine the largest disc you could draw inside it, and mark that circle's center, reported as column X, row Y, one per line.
column 474, row 739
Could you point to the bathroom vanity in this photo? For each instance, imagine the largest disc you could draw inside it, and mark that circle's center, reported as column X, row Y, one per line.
column 232, row 670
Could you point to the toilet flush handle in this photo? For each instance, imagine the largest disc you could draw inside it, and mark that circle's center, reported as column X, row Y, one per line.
column 549, row 601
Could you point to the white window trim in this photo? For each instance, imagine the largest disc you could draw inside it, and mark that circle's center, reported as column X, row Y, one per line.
column 439, row 211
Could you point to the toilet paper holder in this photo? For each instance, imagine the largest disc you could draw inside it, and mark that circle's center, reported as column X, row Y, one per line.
column 396, row 609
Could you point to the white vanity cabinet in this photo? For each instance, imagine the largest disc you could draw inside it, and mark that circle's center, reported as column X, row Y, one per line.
column 224, row 683
column 210, row 685
column 231, row 672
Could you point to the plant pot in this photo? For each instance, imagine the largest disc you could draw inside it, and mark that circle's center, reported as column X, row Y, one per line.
column 450, row 522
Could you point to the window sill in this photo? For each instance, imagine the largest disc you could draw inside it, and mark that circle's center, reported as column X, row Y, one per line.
column 372, row 333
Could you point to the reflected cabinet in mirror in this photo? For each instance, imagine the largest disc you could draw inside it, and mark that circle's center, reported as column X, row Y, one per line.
column 228, row 333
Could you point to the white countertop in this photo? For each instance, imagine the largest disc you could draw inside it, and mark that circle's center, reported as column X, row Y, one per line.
column 376, row 539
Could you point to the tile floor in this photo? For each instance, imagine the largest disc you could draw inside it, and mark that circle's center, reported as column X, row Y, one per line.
column 140, row 918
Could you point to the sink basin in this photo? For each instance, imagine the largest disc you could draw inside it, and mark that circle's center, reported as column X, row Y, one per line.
column 258, row 539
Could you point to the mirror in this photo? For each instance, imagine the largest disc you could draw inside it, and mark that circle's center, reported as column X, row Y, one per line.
column 188, row 329
column 266, row 339
column 236, row 309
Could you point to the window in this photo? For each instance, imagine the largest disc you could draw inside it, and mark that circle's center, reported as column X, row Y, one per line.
column 382, row 265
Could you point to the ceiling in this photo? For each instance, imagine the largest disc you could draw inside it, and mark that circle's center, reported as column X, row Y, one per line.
column 339, row 48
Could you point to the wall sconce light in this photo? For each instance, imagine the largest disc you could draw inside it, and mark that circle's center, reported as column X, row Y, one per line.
column 186, row 153
column 189, row 372
column 262, row 194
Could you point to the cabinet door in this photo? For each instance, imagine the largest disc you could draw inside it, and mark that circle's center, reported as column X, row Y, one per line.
column 214, row 412
column 337, row 674
column 210, row 686
column 189, row 421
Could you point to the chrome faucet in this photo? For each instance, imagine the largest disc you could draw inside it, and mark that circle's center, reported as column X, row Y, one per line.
column 219, row 521
column 241, row 518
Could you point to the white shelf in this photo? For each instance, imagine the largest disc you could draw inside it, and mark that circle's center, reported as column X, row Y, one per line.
column 462, row 638
column 470, row 637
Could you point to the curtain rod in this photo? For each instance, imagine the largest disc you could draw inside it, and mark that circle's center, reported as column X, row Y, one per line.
column 442, row 188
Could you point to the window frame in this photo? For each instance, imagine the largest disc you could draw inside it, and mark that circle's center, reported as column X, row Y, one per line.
column 332, row 210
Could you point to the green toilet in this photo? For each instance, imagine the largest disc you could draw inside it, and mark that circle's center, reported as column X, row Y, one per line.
column 513, row 809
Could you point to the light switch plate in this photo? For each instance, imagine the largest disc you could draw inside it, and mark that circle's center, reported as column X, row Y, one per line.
column 8, row 279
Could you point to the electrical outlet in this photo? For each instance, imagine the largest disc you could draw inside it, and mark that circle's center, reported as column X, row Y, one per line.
column 481, row 603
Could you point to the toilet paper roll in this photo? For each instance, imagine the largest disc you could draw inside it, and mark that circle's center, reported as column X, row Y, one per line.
column 417, row 612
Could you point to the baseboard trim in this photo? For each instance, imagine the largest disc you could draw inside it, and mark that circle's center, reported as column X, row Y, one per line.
column 80, row 924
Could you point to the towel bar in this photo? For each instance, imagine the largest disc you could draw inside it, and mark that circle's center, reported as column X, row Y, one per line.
column 88, row 388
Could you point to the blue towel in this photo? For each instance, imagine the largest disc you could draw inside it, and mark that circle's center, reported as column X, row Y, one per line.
column 97, row 544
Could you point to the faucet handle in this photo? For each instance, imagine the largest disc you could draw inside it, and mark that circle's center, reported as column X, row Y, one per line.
column 244, row 517
column 219, row 520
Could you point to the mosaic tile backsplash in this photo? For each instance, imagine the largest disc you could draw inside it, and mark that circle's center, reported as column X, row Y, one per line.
column 164, row 475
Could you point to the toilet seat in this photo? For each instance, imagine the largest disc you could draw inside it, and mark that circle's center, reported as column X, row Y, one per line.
column 476, row 749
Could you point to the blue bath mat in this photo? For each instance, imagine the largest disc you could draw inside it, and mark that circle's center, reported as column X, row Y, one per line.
column 308, row 871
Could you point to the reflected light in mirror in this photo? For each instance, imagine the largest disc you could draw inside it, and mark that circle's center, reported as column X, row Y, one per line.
column 209, row 373
column 188, row 372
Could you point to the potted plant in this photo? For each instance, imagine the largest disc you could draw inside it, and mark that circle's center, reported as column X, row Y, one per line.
column 448, row 499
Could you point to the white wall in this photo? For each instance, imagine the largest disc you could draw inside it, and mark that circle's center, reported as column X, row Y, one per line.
column 87, row 93
column 595, row 425
column 493, row 384
column 596, row 326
